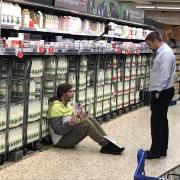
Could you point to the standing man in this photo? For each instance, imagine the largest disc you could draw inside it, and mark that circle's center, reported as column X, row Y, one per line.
column 162, row 92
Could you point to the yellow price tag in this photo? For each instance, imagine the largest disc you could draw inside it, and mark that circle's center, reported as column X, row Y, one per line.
column 16, row 27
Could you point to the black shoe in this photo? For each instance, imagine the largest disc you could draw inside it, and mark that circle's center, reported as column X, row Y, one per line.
column 111, row 148
column 151, row 155
column 163, row 153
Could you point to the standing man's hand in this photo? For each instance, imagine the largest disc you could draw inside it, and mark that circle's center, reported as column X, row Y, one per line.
column 157, row 95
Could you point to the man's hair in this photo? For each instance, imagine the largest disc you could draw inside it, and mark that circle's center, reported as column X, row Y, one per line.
column 172, row 40
column 152, row 36
column 63, row 88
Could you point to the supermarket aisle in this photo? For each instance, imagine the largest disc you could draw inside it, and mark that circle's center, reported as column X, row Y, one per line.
column 86, row 163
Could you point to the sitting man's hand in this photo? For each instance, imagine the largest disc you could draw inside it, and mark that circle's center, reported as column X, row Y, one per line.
column 85, row 114
column 77, row 118
column 82, row 115
column 73, row 120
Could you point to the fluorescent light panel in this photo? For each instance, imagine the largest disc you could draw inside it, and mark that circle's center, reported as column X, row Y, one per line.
column 173, row 8
column 146, row 7
column 158, row 7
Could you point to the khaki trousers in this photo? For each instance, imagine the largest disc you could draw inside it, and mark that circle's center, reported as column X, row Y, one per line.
column 89, row 127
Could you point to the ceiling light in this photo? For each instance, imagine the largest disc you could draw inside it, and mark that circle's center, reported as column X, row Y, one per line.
column 146, row 7
column 170, row 8
column 159, row 7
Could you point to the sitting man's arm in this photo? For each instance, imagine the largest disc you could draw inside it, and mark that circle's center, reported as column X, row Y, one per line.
column 60, row 125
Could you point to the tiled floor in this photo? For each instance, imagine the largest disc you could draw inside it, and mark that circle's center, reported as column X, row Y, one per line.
column 86, row 163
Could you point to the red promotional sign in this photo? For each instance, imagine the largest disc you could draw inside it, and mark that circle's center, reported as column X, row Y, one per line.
column 51, row 51
column 41, row 50
column 20, row 55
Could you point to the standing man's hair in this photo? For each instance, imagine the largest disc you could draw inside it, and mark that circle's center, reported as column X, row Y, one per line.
column 152, row 36
column 172, row 40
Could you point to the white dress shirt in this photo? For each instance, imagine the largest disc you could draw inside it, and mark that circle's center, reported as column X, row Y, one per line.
column 163, row 69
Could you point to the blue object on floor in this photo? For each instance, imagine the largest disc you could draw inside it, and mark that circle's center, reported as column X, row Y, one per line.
column 140, row 173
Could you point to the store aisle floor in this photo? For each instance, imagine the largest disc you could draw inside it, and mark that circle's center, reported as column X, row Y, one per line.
column 86, row 163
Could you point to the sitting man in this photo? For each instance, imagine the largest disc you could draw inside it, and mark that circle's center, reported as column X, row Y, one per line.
column 68, row 128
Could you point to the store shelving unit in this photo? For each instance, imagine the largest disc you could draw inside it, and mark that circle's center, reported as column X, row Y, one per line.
column 177, row 76
column 107, row 82
column 4, row 95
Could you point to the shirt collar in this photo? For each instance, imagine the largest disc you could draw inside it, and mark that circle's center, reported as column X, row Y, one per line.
column 160, row 48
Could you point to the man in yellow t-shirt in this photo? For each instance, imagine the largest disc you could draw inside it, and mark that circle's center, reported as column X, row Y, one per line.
column 68, row 128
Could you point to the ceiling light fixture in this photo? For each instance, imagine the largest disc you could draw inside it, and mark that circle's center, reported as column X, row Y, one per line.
column 158, row 7
column 170, row 8
column 146, row 7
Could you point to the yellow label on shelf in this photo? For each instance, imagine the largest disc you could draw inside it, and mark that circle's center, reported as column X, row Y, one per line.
column 16, row 27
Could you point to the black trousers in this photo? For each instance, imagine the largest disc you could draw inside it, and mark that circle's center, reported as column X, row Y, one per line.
column 159, row 121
